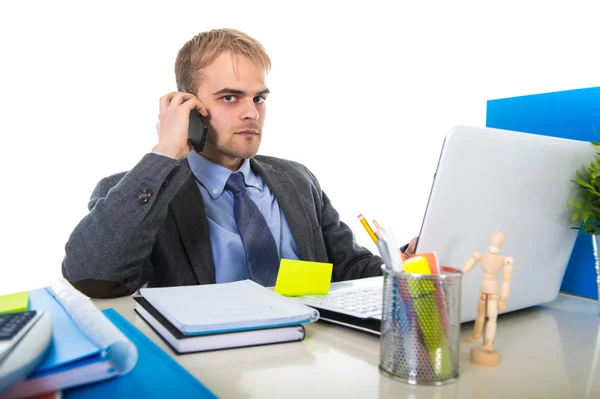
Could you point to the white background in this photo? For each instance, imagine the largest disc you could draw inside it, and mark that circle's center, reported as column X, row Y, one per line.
column 362, row 93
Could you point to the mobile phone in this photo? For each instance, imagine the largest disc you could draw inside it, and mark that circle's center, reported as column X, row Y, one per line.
column 197, row 130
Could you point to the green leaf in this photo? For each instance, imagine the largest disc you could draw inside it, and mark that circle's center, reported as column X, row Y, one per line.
column 575, row 203
column 584, row 183
column 586, row 216
column 587, row 185
column 575, row 217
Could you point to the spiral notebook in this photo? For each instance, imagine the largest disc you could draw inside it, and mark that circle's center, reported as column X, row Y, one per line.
column 86, row 347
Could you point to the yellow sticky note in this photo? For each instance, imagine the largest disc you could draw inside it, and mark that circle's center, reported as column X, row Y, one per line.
column 299, row 277
column 11, row 303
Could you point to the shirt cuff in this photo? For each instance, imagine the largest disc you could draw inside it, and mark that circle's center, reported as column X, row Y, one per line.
column 160, row 153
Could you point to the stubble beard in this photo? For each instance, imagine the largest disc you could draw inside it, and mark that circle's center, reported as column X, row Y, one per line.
column 245, row 151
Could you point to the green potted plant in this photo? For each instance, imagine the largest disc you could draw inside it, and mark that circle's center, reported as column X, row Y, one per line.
column 586, row 205
column 587, row 202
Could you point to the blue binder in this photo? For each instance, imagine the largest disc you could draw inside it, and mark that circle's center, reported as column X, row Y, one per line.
column 69, row 348
column 571, row 114
column 155, row 375
column 83, row 349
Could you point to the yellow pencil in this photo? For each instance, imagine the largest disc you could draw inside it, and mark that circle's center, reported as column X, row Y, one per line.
column 368, row 228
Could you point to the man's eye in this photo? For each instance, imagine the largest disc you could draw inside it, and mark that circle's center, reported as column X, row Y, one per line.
column 259, row 99
column 229, row 99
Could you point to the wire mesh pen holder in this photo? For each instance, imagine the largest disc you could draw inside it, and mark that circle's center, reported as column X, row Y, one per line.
column 420, row 326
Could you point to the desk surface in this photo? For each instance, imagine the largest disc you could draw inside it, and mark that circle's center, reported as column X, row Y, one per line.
column 549, row 351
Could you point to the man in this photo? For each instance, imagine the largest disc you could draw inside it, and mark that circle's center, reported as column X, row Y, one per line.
column 180, row 217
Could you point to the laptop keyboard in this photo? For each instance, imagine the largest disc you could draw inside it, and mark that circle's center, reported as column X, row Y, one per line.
column 362, row 303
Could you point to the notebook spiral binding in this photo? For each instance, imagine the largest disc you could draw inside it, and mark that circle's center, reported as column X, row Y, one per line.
column 117, row 348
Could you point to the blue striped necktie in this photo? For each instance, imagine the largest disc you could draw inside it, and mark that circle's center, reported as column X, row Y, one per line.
column 262, row 256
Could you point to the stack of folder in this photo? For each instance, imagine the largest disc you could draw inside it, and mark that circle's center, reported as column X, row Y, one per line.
column 220, row 316
column 97, row 354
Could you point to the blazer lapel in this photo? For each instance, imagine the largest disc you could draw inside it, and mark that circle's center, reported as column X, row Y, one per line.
column 287, row 196
column 190, row 217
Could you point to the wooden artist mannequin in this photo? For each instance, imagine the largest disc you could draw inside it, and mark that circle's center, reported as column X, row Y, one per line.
column 491, row 262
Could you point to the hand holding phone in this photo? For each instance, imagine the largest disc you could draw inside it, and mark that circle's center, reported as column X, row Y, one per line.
column 197, row 130
column 176, row 121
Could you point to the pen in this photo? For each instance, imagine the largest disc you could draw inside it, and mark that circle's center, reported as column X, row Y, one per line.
column 382, row 245
column 378, row 240
column 378, row 227
column 393, row 251
column 384, row 252
column 391, row 256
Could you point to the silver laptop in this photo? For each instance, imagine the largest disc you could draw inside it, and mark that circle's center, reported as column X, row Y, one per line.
column 491, row 180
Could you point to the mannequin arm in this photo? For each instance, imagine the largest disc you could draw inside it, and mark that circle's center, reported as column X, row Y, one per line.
column 476, row 257
column 508, row 274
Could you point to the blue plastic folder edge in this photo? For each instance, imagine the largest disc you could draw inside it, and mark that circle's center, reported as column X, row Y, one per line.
column 155, row 375
column 259, row 327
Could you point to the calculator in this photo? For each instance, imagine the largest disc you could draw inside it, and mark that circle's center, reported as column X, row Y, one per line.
column 24, row 340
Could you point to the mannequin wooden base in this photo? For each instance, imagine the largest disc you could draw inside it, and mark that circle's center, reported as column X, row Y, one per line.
column 485, row 357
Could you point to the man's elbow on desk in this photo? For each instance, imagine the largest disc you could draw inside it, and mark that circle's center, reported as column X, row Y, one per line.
column 93, row 285
column 101, row 289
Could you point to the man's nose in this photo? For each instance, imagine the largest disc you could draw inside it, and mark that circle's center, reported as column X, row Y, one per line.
column 250, row 111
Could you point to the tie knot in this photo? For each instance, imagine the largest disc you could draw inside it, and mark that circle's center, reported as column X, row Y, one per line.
column 235, row 183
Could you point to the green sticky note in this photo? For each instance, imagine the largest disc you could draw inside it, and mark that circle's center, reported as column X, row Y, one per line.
column 299, row 277
column 12, row 303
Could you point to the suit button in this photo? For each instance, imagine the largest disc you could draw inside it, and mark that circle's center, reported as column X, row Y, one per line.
column 145, row 196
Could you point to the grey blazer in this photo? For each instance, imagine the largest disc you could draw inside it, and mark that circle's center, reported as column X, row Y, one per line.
column 145, row 227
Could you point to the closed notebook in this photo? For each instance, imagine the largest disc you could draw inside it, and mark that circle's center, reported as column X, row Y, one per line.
column 86, row 347
column 197, row 343
column 226, row 307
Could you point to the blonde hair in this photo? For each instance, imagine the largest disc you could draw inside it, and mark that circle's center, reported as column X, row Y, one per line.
column 201, row 50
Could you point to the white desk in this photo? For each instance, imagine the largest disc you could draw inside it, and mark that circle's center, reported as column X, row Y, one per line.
column 549, row 351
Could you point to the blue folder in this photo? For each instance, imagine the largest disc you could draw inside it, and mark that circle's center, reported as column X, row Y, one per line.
column 69, row 347
column 155, row 375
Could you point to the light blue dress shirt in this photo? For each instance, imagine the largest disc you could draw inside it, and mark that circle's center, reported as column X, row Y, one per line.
column 227, row 249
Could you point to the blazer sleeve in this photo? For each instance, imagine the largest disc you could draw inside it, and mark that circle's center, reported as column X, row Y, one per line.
column 108, row 252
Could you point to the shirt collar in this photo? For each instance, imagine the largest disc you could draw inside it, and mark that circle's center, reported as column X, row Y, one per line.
column 213, row 177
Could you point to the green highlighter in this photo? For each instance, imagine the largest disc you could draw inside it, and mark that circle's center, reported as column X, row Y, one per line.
column 422, row 296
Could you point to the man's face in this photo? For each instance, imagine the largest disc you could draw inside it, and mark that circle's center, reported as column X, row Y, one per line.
column 233, row 91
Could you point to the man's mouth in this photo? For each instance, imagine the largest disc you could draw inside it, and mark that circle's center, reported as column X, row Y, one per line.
column 248, row 133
